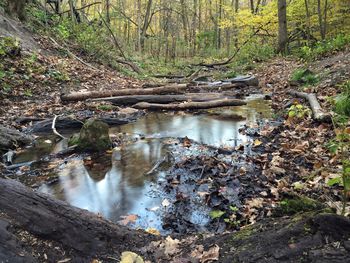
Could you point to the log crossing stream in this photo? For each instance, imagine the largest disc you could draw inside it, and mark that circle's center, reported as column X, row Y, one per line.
column 126, row 185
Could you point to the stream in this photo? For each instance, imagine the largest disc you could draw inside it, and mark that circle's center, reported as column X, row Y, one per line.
column 123, row 186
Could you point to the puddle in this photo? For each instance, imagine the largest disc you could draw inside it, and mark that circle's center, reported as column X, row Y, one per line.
column 118, row 185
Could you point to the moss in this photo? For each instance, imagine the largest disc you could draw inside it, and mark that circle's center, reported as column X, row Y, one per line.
column 93, row 136
column 74, row 140
column 9, row 47
column 297, row 204
column 244, row 233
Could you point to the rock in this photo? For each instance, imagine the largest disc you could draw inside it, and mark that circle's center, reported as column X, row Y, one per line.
column 247, row 79
column 11, row 139
column 93, row 137
column 128, row 113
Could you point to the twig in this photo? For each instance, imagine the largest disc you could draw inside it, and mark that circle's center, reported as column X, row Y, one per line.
column 118, row 46
column 81, row 8
column 73, row 56
column 54, row 128
column 235, row 53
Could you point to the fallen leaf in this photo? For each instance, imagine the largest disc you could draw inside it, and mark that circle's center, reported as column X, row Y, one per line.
column 128, row 219
column 165, row 203
column 153, row 231
column 257, row 143
column 211, row 255
column 130, row 257
column 171, row 246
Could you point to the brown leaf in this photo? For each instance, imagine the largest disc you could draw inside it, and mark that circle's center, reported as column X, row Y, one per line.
column 128, row 219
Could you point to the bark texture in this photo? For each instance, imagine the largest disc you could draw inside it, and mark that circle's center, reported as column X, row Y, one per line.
column 190, row 105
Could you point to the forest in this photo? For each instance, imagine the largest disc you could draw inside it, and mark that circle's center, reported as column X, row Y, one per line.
column 174, row 131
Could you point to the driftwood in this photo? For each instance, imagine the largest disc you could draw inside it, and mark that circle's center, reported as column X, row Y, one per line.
column 315, row 106
column 171, row 89
column 133, row 99
column 190, row 105
column 77, row 230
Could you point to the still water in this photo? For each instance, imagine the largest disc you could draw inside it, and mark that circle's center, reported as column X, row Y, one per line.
column 118, row 185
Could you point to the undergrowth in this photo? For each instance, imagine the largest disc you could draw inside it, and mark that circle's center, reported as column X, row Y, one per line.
column 322, row 48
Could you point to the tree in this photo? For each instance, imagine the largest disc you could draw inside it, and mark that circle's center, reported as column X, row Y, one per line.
column 16, row 8
column 282, row 26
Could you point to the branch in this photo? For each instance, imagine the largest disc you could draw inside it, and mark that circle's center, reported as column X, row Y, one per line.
column 81, row 8
column 235, row 53
column 54, row 128
column 72, row 55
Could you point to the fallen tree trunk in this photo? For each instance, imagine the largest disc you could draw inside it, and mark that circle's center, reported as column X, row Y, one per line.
column 77, row 96
column 133, row 99
column 78, row 231
column 190, row 105
column 11, row 139
column 315, row 106
column 66, row 123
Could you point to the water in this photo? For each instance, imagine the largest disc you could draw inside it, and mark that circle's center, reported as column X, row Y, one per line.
column 118, row 185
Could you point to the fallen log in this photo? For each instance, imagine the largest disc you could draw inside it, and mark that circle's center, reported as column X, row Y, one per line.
column 66, row 123
column 133, row 99
column 78, row 231
column 315, row 106
column 171, row 89
column 190, row 105
column 11, row 139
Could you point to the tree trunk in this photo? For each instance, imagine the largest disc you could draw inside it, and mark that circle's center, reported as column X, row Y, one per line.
column 133, row 99
column 75, row 229
column 77, row 96
column 146, row 23
column 71, row 7
column 16, row 8
column 190, row 105
column 108, row 17
column 282, row 27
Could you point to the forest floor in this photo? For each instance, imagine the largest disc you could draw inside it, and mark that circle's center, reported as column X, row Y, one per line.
column 291, row 160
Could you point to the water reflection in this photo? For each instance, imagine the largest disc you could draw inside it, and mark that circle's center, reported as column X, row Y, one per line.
column 117, row 184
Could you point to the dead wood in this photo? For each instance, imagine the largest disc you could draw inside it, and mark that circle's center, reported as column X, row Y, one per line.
column 171, row 89
column 72, row 55
column 53, row 127
column 75, row 229
column 315, row 106
column 190, row 105
column 66, row 123
column 229, row 60
column 133, row 99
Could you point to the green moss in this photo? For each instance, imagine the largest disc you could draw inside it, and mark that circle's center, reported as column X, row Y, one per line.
column 298, row 204
column 93, row 136
column 9, row 46
column 244, row 233
column 74, row 140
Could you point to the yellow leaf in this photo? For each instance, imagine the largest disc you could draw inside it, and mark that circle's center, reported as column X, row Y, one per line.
column 153, row 231
column 130, row 257
column 257, row 142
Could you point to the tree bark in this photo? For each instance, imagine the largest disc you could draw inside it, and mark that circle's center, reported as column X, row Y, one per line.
column 282, row 26
column 16, row 8
column 77, row 96
column 315, row 106
column 74, row 228
column 146, row 23
column 133, row 99
column 190, row 105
